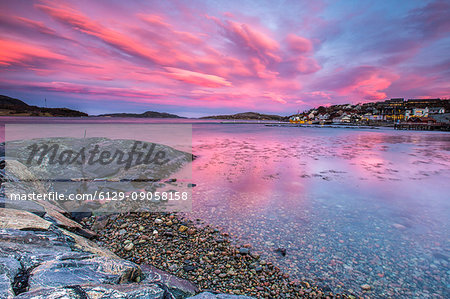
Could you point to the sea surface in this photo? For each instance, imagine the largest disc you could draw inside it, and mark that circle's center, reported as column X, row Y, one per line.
column 350, row 206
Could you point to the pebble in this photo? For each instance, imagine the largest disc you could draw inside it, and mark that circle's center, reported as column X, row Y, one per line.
column 244, row 251
column 281, row 251
column 128, row 247
column 205, row 255
column 189, row 268
column 173, row 267
column 365, row 287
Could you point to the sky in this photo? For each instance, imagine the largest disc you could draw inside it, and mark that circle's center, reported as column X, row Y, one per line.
column 197, row 58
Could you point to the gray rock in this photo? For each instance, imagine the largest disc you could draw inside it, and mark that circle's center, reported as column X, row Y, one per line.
column 244, row 251
column 6, row 290
column 179, row 287
column 9, row 269
column 30, row 206
column 9, row 266
column 102, row 291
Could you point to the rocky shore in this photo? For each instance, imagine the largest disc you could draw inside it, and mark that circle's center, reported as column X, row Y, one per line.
column 41, row 257
column 45, row 253
column 151, row 255
column 200, row 254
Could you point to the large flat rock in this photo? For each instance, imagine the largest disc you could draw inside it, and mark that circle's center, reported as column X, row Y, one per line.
column 103, row 291
column 16, row 219
column 83, row 270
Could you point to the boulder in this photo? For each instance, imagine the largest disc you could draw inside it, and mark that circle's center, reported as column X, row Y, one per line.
column 83, row 270
column 60, row 220
column 25, row 205
column 16, row 219
column 9, row 268
column 180, row 288
column 106, row 291
column 6, row 290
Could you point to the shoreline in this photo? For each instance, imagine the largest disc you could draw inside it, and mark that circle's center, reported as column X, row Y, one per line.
column 201, row 254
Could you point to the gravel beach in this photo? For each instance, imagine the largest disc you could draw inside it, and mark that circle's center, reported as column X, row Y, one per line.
column 201, row 254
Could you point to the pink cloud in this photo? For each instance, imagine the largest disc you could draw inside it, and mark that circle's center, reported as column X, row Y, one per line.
column 247, row 39
column 121, row 41
column 275, row 97
column 13, row 52
column 197, row 78
column 298, row 44
column 200, row 56
column 366, row 82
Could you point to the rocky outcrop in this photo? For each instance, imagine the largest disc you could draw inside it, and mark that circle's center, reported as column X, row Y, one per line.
column 128, row 291
column 46, row 254
column 38, row 259
column 11, row 107
column 83, row 269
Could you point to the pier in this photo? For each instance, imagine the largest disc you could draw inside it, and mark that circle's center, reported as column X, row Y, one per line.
column 418, row 126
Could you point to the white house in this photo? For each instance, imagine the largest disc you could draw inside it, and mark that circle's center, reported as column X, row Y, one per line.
column 342, row 119
column 420, row 112
column 416, row 112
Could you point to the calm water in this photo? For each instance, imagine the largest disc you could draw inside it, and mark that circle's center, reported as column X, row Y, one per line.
column 351, row 206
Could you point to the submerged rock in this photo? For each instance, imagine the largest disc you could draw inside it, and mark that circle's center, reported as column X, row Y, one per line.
column 281, row 251
column 366, row 287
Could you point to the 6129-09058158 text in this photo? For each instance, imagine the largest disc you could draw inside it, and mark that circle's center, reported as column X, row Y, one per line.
column 102, row 196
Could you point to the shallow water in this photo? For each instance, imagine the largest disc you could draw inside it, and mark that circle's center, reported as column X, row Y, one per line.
column 351, row 206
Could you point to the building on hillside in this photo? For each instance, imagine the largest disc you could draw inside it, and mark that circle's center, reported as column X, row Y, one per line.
column 392, row 110
column 345, row 118
column 420, row 112
column 436, row 110
column 416, row 112
column 323, row 117
column 422, row 103
column 395, row 102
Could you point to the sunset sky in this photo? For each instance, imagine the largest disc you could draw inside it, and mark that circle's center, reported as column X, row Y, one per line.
column 196, row 58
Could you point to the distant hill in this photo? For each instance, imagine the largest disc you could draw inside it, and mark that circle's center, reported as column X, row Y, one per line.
column 15, row 107
column 147, row 114
column 249, row 116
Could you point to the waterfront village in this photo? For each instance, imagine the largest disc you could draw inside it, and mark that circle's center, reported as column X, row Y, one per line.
column 398, row 112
